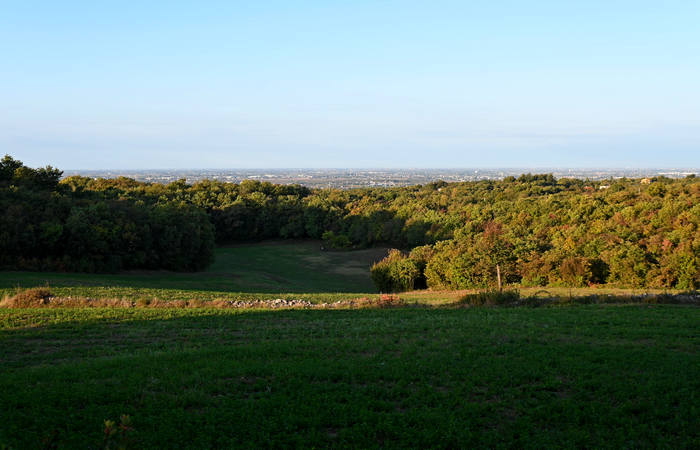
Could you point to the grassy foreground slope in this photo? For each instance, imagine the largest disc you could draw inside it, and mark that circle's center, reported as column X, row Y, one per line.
column 260, row 270
column 587, row 376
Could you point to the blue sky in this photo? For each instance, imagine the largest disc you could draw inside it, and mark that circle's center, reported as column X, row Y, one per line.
column 241, row 84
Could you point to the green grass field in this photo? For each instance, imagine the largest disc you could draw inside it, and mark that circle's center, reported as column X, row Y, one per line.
column 583, row 376
column 297, row 269
column 569, row 376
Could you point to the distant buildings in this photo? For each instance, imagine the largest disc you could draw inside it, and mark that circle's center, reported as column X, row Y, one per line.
column 363, row 178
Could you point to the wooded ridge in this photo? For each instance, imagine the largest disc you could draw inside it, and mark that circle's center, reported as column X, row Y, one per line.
column 538, row 230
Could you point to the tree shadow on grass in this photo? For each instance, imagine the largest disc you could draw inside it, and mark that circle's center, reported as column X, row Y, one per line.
column 363, row 378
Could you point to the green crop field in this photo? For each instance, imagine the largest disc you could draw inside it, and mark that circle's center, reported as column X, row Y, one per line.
column 581, row 376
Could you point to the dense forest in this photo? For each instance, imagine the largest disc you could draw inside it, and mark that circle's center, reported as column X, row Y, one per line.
column 535, row 230
column 48, row 225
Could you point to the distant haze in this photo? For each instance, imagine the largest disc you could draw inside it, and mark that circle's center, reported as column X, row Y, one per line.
column 355, row 178
column 274, row 84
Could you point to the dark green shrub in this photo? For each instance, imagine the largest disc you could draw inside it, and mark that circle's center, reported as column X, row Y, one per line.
column 395, row 273
column 335, row 241
column 491, row 298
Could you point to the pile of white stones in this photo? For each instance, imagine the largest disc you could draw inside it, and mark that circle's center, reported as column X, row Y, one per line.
column 276, row 303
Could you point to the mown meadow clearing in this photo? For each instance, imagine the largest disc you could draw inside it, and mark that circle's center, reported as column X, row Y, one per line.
column 264, row 270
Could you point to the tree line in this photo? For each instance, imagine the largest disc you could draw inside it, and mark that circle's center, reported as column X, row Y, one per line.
column 46, row 225
column 535, row 230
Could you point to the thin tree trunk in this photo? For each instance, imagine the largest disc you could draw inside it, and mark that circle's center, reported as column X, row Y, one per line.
column 498, row 274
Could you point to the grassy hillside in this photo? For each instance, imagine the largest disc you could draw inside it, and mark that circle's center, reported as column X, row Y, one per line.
column 594, row 376
column 252, row 270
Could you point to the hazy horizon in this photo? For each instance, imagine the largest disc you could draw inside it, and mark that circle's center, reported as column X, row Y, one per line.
column 398, row 168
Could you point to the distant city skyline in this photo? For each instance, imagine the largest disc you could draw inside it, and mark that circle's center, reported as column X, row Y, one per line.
column 365, row 84
column 359, row 178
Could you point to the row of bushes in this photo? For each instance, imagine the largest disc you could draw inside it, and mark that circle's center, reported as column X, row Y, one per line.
column 513, row 298
column 450, row 266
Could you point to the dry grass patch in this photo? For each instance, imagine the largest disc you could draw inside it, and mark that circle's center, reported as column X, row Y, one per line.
column 44, row 298
column 28, row 298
